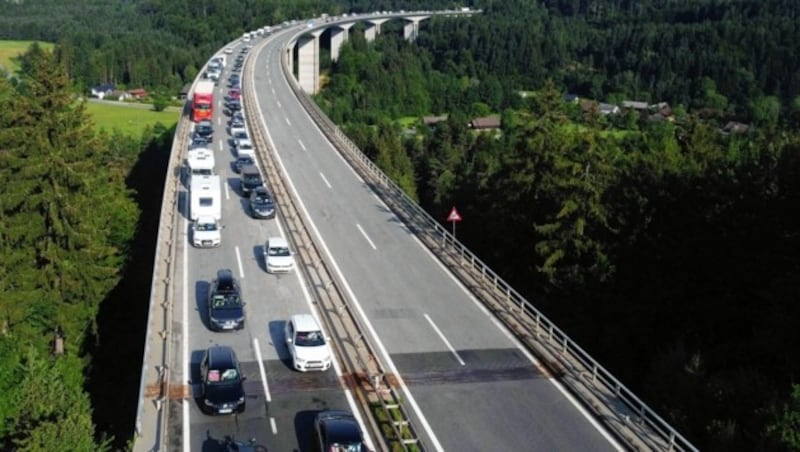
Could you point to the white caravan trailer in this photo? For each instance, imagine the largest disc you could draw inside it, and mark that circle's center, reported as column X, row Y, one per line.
column 200, row 161
column 206, row 199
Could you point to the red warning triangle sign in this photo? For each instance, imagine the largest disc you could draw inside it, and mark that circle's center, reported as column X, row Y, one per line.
column 454, row 215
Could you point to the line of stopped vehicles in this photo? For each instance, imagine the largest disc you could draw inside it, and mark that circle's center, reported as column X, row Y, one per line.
column 222, row 380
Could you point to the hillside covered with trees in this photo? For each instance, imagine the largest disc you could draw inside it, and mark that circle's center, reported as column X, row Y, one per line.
column 668, row 248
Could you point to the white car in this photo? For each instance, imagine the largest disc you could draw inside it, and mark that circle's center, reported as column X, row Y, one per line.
column 238, row 131
column 277, row 256
column 244, row 147
column 308, row 346
column 206, row 233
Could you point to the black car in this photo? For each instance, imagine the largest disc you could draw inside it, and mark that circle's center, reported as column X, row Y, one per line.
column 225, row 305
column 234, row 106
column 232, row 445
column 335, row 428
column 204, row 130
column 241, row 161
column 261, row 203
column 223, row 382
column 251, row 178
column 198, row 142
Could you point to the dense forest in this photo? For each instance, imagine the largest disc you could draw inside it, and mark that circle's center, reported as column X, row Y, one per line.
column 66, row 222
column 668, row 249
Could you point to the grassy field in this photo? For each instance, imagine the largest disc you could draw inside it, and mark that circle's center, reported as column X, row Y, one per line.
column 129, row 119
column 10, row 49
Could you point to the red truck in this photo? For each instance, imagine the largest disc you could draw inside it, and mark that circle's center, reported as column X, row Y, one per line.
column 203, row 101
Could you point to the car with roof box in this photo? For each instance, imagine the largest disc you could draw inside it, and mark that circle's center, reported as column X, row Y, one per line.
column 225, row 304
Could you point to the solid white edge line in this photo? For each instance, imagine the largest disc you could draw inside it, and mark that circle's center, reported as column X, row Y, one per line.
column 309, row 300
column 366, row 236
column 261, row 370
column 324, row 179
column 187, row 447
column 239, row 261
column 587, row 415
column 444, row 339
column 357, row 415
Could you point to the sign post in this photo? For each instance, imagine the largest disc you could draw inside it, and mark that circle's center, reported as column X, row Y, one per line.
column 454, row 217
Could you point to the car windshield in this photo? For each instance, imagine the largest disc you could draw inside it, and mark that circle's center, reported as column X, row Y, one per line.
column 263, row 199
column 240, row 135
column 202, row 128
column 245, row 146
column 226, row 301
column 206, row 227
column 222, row 376
column 309, row 339
column 279, row 251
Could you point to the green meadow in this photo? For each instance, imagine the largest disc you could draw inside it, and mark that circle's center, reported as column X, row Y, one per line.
column 10, row 49
column 130, row 119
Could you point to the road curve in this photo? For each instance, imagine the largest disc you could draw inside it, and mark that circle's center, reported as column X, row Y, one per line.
column 469, row 383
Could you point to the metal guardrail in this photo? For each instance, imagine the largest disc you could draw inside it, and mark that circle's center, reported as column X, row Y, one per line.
column 159, row 321
column 631, row 419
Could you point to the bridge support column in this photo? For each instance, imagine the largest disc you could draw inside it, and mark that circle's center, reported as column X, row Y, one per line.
column 411, row 29
column 373, row 29
column 289, row 57
column 339, row 36
column 308, row 62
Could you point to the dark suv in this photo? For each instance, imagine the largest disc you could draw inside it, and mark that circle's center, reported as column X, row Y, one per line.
column 223, row 382
column 225, row 305
column 261, row 203
column 251, row 179
column 204, row 130
column 338, row 430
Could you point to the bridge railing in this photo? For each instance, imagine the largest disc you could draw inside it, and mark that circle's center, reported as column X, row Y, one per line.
column 627, row 416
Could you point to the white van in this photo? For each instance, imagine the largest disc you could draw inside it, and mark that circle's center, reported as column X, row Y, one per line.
column 205, row 199
column 200, row 162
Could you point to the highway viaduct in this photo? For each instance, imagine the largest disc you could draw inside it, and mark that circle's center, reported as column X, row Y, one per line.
column 434, row 350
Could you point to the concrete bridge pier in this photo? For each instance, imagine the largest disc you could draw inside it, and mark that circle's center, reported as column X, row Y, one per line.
column 373, row 29
column 339, row 35
column 308, row 61
column 411, row 29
